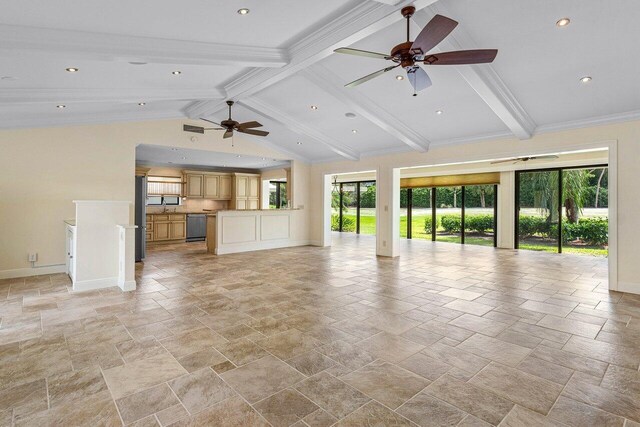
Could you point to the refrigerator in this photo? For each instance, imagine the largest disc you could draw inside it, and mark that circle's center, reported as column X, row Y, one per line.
column 141, row 217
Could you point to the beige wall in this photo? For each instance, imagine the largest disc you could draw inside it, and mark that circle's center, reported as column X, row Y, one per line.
column 43, row 170
column 627, row 136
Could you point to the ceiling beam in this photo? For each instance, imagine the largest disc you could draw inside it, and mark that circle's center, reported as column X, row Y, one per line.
column 365, row 107
column 483, row 78
column 115, row 47
column 358, row 23
column 294, row 125
column 118, row 95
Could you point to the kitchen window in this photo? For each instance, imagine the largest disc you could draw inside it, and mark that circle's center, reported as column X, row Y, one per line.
column 158, row 200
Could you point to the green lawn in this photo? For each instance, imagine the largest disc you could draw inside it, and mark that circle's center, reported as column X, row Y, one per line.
column 368, row 226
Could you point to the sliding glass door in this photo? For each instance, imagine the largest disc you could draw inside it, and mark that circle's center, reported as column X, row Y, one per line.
column 448, row 208
column 563, row 210
column 354, row 207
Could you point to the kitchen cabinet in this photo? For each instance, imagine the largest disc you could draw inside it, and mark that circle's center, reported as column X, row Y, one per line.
column 166, row 227
column 211, row 186
column 195, row 185
column 207, row 185
column 225, row 187
column 246, row 191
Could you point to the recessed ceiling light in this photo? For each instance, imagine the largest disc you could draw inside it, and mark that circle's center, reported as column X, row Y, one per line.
column 243, row 11
column 399, row 77
column 176, row 73
column 439, row 112
column 563, row 22
column 142, row 103
column 585, row 79
column 72, row 70
column 314, row 107
column 299, row 143
column 183, row 158
column 354, row 130
column 61, row 106
column 238, row 156
column 264, row 158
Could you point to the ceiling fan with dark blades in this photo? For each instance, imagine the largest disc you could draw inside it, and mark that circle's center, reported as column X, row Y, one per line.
column 409, row 54
column 525, row 159
column 229, row 126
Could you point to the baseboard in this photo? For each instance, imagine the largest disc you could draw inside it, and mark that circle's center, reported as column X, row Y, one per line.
column 90, row 285
column 129, row 285
column 36, row 271
column 259, row 246
column 629, row 287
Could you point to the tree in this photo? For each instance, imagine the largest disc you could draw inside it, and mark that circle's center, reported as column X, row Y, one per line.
column 599, row 185
column 575, row 184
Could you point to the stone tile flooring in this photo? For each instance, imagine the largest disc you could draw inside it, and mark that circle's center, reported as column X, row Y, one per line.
column 445, row 335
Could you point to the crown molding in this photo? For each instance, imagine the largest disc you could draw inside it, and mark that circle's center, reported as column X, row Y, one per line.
column 483, row 78
column 609, row 119
column 362, row 105
column 271, row 112
column 51, row 120
column 115, row 47
column 357, row 23
column 119, row 95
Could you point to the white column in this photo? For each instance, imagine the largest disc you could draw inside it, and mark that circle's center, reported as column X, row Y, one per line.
column 126, row 257
column 264, row 200
column 506, row 210
column 327, row 187
column 387, row 211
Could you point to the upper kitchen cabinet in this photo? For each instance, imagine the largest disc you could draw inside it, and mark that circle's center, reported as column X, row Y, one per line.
column 211, row 186
column 246, row 191
column 195, row 185
column 207, row 185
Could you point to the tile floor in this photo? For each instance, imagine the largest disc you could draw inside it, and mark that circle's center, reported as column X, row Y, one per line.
column 442, row 336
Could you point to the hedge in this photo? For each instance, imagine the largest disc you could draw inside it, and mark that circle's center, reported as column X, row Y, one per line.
column 428, row 225
column 348, row 224
column 592, row 231
column 479, row 223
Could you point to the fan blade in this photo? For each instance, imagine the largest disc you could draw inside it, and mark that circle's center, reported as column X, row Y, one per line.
column 254, row 132
column 462, row 57
column 552, row 156
column 505, row 161
column 358, row 52
column 217, row 124
column 228, row 134
column 418, row 78
column 190, row 128
column 370, row 76
column 435, row 31
column 248, row 125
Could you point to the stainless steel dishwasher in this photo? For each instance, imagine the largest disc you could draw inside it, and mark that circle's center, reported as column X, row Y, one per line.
column 196, row 227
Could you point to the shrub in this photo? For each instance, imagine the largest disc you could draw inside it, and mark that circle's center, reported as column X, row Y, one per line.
column 594, row 231
column 531, row 225
column 450, row 223
column 480, row 223
column 428, row 225
column 348, row 223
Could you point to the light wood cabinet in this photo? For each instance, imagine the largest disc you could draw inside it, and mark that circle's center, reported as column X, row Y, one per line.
column 195, row 185
column 207, row 185
column 161, row 231
column 225, row 187
column 246, row 191
column 211, row 186
column 166, row 227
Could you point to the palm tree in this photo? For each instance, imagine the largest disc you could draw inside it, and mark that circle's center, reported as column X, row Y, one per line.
column 575, row 183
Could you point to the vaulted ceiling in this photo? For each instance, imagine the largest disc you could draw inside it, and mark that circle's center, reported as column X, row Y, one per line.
column 277, row 61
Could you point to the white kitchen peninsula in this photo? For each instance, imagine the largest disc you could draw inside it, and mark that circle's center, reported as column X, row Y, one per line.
column 232, row 231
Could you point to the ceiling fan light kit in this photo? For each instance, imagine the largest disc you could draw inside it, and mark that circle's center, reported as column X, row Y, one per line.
column 409, row 54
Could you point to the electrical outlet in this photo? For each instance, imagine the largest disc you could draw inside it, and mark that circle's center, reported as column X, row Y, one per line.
column 33, row 257
column 384, row 243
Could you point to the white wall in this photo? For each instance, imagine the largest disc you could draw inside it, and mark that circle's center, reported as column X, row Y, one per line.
column 43, row 170
column 627, row 136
